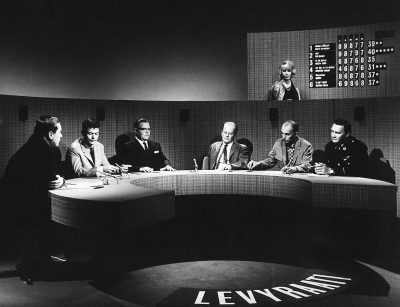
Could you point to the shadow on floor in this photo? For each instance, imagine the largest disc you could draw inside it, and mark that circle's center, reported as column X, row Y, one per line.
column 237, row 228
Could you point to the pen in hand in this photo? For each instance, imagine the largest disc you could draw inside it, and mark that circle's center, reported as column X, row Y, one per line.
column 124, row 168
column 119, row 167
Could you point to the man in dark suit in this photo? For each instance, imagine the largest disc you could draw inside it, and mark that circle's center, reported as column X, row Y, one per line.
column 291, row 153
column 227, row 154
column 344, row 154
column 30, row 173
column 142, row 154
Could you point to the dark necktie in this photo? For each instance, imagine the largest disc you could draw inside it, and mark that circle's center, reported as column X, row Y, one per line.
column 145, row 146
column 92, row 155
column 225, row 154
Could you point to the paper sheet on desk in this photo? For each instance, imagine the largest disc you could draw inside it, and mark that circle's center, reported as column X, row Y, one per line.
column 82, row 185
column 316, row 175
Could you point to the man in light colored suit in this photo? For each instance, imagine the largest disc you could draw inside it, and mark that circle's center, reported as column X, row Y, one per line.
column 227, row 154
column 291, row 153
column 85, row 157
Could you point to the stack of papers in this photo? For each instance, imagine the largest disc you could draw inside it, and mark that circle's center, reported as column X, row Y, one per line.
column 82, row 184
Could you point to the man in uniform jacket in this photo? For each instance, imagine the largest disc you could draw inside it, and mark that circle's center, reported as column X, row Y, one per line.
column 344, row 154
column 142, row 154
column 291, row 153
column 227, row 154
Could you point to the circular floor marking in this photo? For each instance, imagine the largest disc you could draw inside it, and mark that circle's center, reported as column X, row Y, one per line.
column 232, row 283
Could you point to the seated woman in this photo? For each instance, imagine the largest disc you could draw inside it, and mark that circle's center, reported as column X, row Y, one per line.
column 284, row 89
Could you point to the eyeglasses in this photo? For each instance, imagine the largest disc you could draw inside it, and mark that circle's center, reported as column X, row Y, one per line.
column 148, row 129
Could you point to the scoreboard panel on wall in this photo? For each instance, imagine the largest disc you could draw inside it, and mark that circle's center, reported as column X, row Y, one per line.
column 349, row 62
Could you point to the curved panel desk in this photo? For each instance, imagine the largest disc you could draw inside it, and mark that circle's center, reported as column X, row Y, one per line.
column 148, row 198
column 119, row 206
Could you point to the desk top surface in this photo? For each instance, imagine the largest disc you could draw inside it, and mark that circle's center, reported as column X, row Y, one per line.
column 321, row 191
column 313, row 178
column 85, row 188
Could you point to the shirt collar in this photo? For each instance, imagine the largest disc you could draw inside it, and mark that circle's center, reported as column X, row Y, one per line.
column 86, row 146
column 228, row 147
column 142, row 143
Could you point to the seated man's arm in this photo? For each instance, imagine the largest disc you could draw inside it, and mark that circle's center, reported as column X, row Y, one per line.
column 357, row 164
column 270, row 161
column 125, row 156
column 328, row 167
column 56, row 183
column 107, row 167
column 306, row 159
column 243, row 158
column 165, row 162
column 74, row 163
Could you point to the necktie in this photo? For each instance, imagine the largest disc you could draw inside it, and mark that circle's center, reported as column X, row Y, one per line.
column 145, row 146
column 225, row 154
column 92, row 155
column 290, row 153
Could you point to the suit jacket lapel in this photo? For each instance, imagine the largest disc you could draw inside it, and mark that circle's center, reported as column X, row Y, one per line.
column 150, row 145
column 233, row 149
column 86, row 153
column 138, row 145
column 283, row 148
column 217, row 150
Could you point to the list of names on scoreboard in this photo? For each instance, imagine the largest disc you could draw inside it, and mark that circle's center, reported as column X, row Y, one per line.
column 322, row 65
column 354, row 63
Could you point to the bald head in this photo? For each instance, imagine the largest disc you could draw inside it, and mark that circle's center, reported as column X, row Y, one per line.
column 289, row 130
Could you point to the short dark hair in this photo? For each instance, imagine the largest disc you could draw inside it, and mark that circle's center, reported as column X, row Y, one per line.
column 45, row 124
column 139, row 121
column 344, row 123
column 293, row 124
column 89, row 123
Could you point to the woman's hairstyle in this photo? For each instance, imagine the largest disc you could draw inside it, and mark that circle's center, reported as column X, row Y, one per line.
column 289, row 65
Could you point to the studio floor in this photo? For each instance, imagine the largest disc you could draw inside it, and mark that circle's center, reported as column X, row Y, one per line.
column 215, row 248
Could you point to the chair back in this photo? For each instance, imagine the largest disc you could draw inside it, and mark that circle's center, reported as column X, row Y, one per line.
column 206, row 163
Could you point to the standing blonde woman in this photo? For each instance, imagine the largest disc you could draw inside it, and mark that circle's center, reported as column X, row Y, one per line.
column 284, row 89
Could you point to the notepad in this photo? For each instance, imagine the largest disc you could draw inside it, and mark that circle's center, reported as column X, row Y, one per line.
column 82, row 185
column 317, row 175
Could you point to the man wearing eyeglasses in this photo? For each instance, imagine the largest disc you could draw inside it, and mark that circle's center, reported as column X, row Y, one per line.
column 142, row 154
column 228, row 155
column 291, row 153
